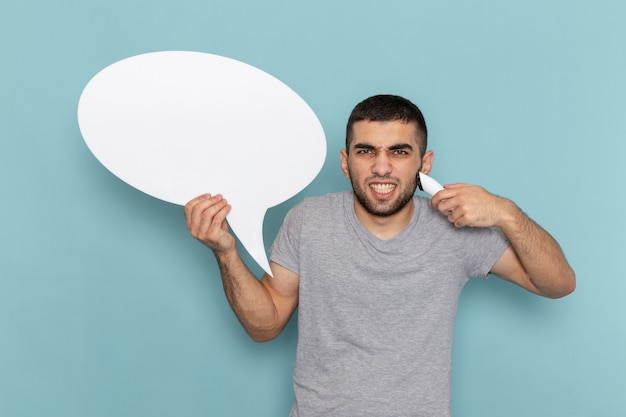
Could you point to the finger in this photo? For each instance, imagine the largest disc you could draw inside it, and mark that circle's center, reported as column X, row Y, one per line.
column 447, row 206
column 214, row 232
column 455, row 185
column 196, row 209
column 207, row 214
column 439, row 198
column 220, row 217
column 457, row 218
column 193, row 203
column 447, row 193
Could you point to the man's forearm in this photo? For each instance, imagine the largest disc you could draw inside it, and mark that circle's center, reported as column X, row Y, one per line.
column 539, row 253
column 249, row 299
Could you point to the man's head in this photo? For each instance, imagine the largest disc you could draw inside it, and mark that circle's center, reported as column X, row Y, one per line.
column 385, row 149
column 387, row 108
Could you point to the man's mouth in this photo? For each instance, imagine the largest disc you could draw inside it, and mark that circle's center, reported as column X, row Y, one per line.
column 383, row 188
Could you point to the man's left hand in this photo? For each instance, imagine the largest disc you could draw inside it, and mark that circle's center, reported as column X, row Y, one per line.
column 468, row 205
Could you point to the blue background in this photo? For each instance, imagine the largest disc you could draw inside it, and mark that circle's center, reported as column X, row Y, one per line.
column 109, row 308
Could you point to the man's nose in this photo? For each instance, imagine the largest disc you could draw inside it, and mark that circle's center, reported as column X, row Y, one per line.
column 382, row 164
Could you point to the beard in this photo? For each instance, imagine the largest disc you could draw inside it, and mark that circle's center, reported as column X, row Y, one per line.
column 384, row 208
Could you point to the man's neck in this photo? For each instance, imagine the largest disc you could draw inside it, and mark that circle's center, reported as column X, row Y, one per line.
column 385, row 227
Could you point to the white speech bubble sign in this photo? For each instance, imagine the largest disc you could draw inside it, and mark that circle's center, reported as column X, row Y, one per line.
column 177, row 124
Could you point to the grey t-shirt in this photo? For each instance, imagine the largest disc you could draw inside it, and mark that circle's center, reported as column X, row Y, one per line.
column 375, row 317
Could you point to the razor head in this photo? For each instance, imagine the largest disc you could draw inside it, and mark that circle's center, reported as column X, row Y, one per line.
column 427, row 184
column 419, row 181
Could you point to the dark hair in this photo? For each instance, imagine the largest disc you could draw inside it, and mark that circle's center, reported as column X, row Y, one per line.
column 388, row 108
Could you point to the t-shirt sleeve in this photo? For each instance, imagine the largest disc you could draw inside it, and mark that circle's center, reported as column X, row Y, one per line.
column 485, row 251
column 286, row 246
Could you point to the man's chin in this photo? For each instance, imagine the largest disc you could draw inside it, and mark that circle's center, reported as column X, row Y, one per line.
column 383, row 210
column 381, row 206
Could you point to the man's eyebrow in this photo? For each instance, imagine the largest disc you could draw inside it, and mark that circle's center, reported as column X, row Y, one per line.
column 364, row 146
column 396, row 147
column 401, row 146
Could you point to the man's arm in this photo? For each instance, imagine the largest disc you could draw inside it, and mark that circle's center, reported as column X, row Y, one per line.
column 534, row 260
column 263, row 307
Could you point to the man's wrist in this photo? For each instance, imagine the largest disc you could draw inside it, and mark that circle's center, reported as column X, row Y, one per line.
column 511, row 216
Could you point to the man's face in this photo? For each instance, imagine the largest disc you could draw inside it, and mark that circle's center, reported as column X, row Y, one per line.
column 382, row 163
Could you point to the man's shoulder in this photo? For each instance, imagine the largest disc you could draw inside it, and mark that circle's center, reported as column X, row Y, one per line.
column 322, row 205
column 333, row 200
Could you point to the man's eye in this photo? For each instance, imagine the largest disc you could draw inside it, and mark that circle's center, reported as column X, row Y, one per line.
column 362, row 151
column 400, row 152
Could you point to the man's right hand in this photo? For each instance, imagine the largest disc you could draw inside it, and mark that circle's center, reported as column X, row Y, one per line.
column 206, row 220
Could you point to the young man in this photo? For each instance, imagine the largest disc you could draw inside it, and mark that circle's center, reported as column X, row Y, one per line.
column 376, row 272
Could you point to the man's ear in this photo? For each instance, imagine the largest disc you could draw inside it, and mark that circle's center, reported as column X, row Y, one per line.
column 343, row 155
column 427, row 162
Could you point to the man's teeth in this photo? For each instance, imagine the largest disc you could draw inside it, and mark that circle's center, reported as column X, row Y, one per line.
column 383, row 188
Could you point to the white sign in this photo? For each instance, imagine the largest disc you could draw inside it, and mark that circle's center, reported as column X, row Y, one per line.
column 178, row 124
